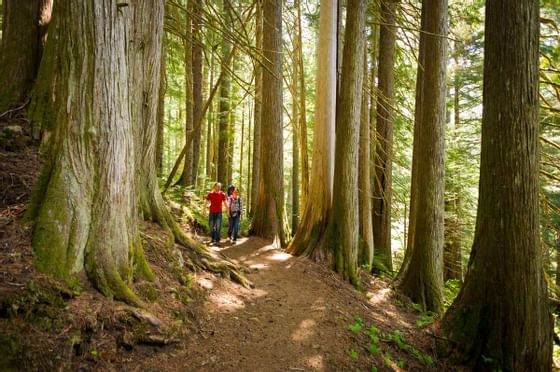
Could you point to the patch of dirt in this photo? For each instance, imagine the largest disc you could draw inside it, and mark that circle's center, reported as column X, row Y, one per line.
column 297, row 318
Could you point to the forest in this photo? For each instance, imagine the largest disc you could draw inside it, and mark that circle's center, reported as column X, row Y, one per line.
column 269, row 185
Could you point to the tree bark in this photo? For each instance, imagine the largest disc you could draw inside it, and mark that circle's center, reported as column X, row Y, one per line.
column 501, row 318
column 24, row 30
column 224, row 133
column 383, row 187
column 84, row 206
column 186, row 174
column 256, row 166
column 452, row 255
column 295, row 153
column 269, row 219
column 210, row 163
column 100, row 168
column 418, row 108
column 197, row 87
column 342, row 231
column 302, row 112
column 315, row 214
column 423, row 279
column 365, row 203
column 161, row 113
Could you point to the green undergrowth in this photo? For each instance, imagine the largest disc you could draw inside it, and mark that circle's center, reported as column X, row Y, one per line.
column 378, row 342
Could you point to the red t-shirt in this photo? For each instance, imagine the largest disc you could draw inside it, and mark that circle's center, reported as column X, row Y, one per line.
column 216, row 199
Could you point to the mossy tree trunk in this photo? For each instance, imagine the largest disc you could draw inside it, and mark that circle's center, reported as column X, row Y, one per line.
column 383, row 187
column 315, row 214
column 423, row 279
column 24, row 30
column 269, row 216
column 100, row 168
column 342, row 236
column 501, row 318
column 85, row 207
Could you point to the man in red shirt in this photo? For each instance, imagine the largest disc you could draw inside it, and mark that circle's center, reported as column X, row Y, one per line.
column 216, row 197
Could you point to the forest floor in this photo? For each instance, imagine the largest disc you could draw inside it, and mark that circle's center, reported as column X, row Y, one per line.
column 299, row 316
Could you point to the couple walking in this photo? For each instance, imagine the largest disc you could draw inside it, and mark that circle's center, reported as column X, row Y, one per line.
column 233, row 205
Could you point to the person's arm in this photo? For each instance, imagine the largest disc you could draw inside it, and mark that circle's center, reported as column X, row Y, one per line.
column 226, row 205
column 206, row 203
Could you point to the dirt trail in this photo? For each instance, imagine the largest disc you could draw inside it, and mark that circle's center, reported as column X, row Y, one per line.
column 295, row 319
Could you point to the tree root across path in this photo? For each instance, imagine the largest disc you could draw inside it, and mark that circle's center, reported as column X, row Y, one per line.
column 219, row 265
column 198, row 257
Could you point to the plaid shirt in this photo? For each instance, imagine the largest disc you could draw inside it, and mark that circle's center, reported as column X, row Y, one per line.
column 235, row 206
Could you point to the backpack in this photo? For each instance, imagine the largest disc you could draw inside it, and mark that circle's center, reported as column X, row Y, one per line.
column 238, row 209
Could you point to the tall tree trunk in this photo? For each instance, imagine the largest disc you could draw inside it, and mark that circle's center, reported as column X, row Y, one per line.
column 224, row 133
column 295, row 153
column 373, row 106
column 501, row 318
column 241, row 147
column 249, row 164
column 24, row 30
column 270, row 216
column 423, row 280
column 383, row 187
column 210, row 124
column 256, row 166
column 315, row 215
column 84, row 206
column 342, row 231
column 197, row 86
column 302, row 112
column 161, row 113
column 452, row 255
column 365, row 204
column 94, row 187
column 186, row 175
column 418, row 109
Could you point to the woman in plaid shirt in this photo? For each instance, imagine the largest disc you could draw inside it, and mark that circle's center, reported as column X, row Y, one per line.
column 235, row 207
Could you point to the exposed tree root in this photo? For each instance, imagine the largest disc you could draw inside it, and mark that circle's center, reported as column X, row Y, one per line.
column 219, row 265
column 199, row 255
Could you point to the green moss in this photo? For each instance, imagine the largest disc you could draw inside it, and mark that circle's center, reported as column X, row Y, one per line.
column 148, row 291
column 51, row 235
column 141, row 267
column 10, row 353
column 107, row 279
